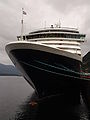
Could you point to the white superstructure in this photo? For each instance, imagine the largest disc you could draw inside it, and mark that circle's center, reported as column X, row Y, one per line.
column 65, row 39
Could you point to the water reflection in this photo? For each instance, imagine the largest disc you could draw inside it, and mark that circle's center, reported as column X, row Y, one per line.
column 16, row 95
column 26, row 111
column 55, row 109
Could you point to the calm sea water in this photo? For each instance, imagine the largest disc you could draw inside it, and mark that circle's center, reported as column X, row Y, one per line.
column 15, row 97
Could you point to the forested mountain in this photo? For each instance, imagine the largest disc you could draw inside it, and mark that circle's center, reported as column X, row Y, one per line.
column 9, row 70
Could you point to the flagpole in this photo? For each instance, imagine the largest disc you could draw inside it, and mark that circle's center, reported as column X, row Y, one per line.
column 22, row 26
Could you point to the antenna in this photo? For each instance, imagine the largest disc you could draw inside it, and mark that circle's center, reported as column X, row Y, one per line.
column 59, row 25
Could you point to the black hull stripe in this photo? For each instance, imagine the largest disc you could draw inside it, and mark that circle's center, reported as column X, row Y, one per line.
column 63, row 69
column 60, row 74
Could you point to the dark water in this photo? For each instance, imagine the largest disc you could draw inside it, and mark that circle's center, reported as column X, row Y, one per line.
column 15, row 97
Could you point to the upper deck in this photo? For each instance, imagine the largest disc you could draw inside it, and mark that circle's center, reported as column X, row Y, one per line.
column 56, row 29
column 56, row 32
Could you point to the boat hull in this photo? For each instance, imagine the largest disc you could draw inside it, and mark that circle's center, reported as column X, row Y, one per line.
column 49, row 74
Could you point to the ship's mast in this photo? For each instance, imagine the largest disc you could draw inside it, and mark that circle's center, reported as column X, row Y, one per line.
column 22, row 23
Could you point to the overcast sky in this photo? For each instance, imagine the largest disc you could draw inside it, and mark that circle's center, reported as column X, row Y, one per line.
column 71, row 13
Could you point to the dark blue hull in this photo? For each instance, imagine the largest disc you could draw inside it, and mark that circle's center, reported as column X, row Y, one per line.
column 51, row 74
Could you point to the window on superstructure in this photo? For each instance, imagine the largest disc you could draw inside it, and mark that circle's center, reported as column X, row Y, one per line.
column 55, row 35
column 54, row 30
column 68, row 48
column 61, row 44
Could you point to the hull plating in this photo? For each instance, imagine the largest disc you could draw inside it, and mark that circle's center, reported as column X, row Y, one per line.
column 50, row 74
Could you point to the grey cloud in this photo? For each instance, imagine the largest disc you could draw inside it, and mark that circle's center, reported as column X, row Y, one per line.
column 12, row 4
column 4, row 58
column 3, row 55
column 66, row 6
column 86, row 30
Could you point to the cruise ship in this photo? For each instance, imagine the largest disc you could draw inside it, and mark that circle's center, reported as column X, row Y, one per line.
column 50, row 60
